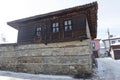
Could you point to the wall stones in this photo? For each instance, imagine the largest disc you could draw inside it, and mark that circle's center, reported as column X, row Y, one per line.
column 54, row 58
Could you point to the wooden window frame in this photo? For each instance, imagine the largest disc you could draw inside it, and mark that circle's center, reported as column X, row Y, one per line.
column 68, row 25
column 38, row 31
column 55, row 27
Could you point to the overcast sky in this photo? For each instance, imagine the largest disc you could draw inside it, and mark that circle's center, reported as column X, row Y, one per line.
column 108, row 13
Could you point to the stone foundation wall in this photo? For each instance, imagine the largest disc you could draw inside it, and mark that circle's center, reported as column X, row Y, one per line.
column 54, row 58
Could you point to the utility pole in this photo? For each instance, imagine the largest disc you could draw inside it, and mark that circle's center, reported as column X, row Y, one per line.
column 109, row 39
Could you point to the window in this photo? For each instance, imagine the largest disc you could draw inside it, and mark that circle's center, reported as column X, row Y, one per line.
column 118, row 40
column 55, row 27
column 38, row 31
column 113, row 42
column 68, row 25
column 93, row 45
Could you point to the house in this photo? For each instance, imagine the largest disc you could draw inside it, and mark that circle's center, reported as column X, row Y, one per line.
column 115, row 51
column 96, row 47
column 54, row 43
column 112, row 40
column 64, row 25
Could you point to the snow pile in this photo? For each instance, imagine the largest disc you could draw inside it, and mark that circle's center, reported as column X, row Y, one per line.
column 108, row 69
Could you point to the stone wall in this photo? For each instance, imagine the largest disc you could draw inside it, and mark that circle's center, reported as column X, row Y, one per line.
column 54, row 58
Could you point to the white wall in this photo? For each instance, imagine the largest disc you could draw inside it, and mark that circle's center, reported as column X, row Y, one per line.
column 112, row 54
column 106, row 43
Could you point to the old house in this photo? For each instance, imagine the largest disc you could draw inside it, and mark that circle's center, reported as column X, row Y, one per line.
column 54, row 43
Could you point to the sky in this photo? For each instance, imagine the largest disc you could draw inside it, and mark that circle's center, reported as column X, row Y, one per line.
column 108, row 14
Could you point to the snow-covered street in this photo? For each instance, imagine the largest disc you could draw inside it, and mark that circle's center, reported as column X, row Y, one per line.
column 7, row 75
column 108, row 69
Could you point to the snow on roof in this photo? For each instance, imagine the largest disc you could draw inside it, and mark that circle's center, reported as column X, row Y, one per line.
column 112, row 38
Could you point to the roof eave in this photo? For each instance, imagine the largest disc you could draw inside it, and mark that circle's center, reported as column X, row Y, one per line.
column 12, row 24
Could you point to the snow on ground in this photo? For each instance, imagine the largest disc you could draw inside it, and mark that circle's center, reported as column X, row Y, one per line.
column 108, row 69
column 7, row 75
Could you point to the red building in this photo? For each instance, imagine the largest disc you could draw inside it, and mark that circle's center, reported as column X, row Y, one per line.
column 96, row 47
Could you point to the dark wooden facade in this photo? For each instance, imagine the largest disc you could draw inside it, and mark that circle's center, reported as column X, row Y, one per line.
column 29, row 33
column 63, row 25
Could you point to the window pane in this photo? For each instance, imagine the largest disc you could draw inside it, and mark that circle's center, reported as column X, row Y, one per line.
column 113, row 42
column 65, row 23
column 93, row 45
column 38, row 33
column 57, row 24
column 53, row 29
column 118, row 40
column 39, row 29
column 70, row 27
column 69, row 22
column 66, row 28
column 53, row 24
column 57, row 29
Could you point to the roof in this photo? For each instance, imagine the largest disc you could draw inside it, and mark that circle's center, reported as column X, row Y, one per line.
column 90, row 9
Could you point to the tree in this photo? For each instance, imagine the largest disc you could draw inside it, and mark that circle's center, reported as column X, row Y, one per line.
column 2, row 38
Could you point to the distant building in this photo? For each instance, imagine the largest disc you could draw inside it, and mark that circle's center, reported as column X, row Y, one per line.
column 115, row 51
column 54, row 43
column 96, row 47
column 111, row 41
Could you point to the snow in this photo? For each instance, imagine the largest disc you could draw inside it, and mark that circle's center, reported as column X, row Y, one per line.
column 108, row 69
column 7, row 75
